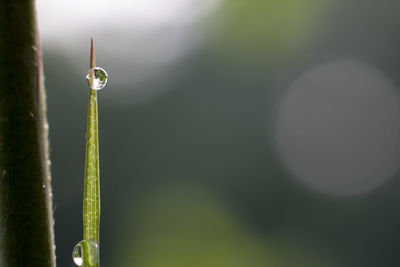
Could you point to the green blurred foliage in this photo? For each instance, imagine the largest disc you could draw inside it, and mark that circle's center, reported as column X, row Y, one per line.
column 186, row 226
column 266, row 30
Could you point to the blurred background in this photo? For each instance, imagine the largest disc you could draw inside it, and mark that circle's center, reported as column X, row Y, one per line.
column 233, row 133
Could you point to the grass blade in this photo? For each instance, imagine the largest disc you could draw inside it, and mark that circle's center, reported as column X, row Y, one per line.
column 91, row 201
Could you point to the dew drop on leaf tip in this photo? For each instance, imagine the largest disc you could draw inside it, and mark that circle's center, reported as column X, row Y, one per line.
column 97, row 78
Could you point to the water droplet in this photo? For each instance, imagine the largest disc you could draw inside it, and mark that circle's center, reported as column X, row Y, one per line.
column 77, row 254
column 97, row 78
column 86, row 248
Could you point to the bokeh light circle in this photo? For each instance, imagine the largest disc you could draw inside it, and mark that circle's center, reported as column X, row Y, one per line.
column 338, row 128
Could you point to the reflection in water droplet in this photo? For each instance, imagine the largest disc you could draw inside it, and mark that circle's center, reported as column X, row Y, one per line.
column 77, row 254
column 86, row 248
column 100, row 78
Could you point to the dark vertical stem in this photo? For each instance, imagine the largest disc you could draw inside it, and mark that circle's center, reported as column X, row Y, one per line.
column 26, row 219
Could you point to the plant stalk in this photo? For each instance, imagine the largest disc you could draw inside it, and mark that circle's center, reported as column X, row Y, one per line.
column 26, row 218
